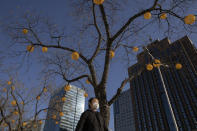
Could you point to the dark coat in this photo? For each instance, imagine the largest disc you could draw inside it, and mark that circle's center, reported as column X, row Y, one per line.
column 91, row 121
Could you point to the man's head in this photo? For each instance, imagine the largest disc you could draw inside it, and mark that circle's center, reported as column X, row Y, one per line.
column 93, row 103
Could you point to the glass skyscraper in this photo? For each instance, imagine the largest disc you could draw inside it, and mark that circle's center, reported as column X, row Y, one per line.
column 72, row 108
column 123, row 113
column 149, row 101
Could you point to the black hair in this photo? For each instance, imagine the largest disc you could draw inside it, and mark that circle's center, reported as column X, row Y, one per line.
column 90, row 100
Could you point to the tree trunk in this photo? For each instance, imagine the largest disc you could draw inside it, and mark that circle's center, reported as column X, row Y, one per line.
column 105, row 112
column 100, row 93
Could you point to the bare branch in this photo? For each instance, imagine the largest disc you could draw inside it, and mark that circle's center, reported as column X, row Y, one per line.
column 132, row 19
column 123, row 83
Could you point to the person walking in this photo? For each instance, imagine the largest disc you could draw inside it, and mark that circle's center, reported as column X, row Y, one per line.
column 91, row 119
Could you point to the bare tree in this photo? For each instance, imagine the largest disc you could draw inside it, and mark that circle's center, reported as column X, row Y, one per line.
column 104, row 32
column 21, row 108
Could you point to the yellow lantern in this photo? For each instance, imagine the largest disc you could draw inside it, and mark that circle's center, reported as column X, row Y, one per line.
column 147, row 15
column 178, row 66
column 40, row 122
column 61, row 114
column 54, row 117
column 163, row 16
column 5, row 124
column 112, row 54
column 15, row 112
column 67, row 88
column 9, row 82
column 4, row 89
column 25, row 31
column 75, row 56
column 30, row 48
column 56, row 122
column 85, row 94
column 24, row 123
column 156, row 63
column 44, row 49
column 63, row 99
column 135, row 49
column 98, row 2
column 45, row 89
column 13, row 102
column 38, row 97
column 13, row 121
column 22, row 103
column 87, row 81
column 190, row 19
column 12, row 87
column 149, row 67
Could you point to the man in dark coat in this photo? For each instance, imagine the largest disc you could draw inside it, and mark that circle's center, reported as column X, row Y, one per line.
column 91, row 120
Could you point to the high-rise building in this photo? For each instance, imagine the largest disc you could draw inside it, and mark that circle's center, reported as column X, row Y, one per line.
column 72, row 109
column 150, row 105
column 123, row 113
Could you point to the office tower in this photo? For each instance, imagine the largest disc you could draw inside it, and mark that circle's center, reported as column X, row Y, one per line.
column 123, row 113
column 72, row 109
column 150, row 105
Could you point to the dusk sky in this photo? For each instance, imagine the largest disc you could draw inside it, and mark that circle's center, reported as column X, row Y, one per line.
column 60, row 12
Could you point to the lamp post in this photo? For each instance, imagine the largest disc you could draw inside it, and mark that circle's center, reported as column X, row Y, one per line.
column 168, row 100
column 166, row 93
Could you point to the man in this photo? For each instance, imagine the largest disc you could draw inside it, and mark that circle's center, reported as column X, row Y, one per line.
column 91, row 120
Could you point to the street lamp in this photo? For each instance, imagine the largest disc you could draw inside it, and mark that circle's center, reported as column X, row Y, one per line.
column 166, row 93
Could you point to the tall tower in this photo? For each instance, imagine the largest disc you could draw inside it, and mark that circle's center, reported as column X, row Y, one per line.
column 72, row 108
column 123, row 113
column 149, row 100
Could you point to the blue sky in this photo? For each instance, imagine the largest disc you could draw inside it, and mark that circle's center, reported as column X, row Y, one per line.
column 60, row 11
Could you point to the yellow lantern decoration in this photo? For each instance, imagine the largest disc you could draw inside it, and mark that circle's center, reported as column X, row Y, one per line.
column 44, row 49
column 54, row 117
column 190, row 19
column 61, row 114
column 98, row 2
column 63, row 99
column 67, row 88
column 25, row 31
column 13, row 102
column 38, row 97
column 45, row 89
column 156, row 63
column 9, row 82
column 111, row 54
column 149, row 67
column 35, row 126
column 24, row 123
column 5, row 124
column 4, row 89
column 163, row 16
column 135, row 49
column 178, row 66
column 12, row 87
column 87, row 81
column 13, row 121
column 15, row 112
column 75, row 56
column 22, row 103
column 56, row 122
column 85, row 94
column 30, row 48
column 147, row 15
column 40, row 122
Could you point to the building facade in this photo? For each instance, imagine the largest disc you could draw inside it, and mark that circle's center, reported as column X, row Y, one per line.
column 72, row 109
column 123, row 113
column 149, row 101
